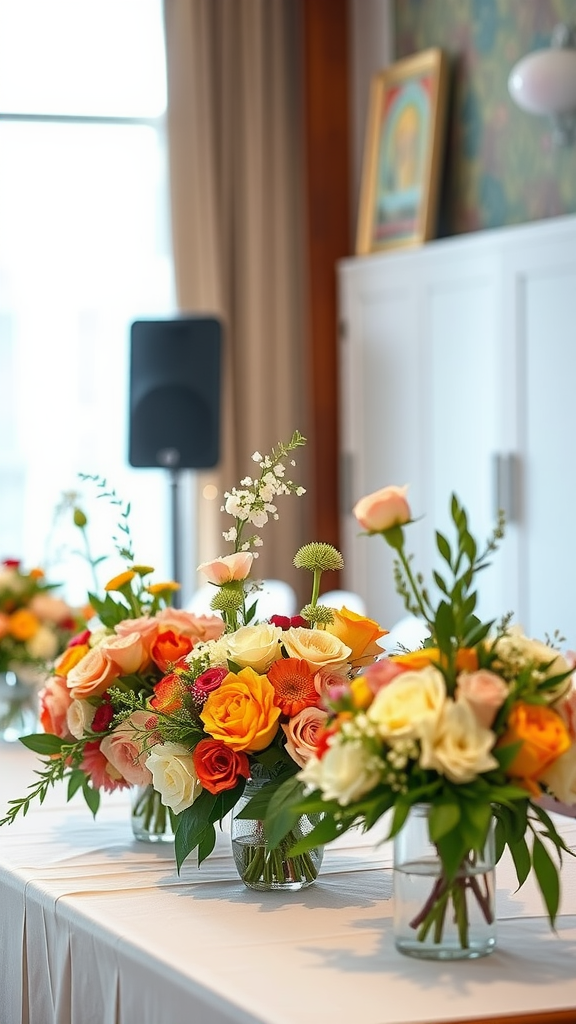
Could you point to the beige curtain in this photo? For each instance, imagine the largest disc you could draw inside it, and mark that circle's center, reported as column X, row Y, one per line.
column 235, row 168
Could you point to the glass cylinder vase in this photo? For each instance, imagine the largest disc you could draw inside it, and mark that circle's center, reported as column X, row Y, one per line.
column 264, row 869
column 436, row 918
column 19, row 704
column 151, row 820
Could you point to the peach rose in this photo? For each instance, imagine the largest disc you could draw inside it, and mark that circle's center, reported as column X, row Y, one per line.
column 382, row 672
column 315, row 646
column 91, row 676
column 358, row 633
column 241, row 712
column 383, row 509
column 302, row 733
column 55, row 700
column 566, row 708
column 199, row 627
column 331, row 683
column 49, row 609
column 124, row 748
column 126, row 652
column 484, row 691
column 466, row 658
column 146, row 628
column 544, row 738
column 227, row 568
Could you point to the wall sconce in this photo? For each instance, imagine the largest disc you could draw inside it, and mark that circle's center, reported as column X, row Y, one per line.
column 544, row 82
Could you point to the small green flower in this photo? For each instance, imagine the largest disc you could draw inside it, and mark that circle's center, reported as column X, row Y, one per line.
column 227, row 599
column 318, row 557
column 317, row 614
column 80, row 519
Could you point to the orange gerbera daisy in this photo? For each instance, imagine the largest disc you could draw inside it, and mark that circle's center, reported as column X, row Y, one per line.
column 293, row 684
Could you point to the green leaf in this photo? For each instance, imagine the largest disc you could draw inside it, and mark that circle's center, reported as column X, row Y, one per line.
column 444, row 548
column 228, row 799
column 75, row 782
column 282, row 814
column 191, row 824
column 91, row 796
column 547, row 876
column 505, row 755
column 394, row 537
column 443, row 818
column 206, row 843
column 324, row 832
column 441, row 583
column 43, row 743
column 452, row 849
column 522, row 860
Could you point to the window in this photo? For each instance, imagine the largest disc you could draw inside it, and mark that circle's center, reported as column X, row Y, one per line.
column 84, row 251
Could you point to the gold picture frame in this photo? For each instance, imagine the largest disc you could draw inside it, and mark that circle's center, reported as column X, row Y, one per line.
column 403, row 153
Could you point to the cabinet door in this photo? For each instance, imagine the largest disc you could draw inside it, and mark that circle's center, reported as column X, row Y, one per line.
column 540, row 286
column 420, row 400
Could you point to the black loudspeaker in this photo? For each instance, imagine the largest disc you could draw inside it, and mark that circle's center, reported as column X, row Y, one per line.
column 175, row 393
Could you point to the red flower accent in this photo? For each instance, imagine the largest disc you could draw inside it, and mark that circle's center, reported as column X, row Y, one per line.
column 168, row 694
column 286, row 622
column 11, row 563
column 80, row 638
column 103, row 717
column 208, row 681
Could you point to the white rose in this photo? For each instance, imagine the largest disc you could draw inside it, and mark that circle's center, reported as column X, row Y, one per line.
column 344, row 773
column 411, row 702
column 43, row 645
column 255, row 646
column 561, row 777
column 79, row 717
column 457, row 746
column 315, row 646
column 517, row 651
column 173, row 775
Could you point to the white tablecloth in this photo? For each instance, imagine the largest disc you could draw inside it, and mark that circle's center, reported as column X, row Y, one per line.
column 96, row 928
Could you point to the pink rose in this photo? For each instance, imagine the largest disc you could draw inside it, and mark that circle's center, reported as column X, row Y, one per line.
column 127, row 652
column 100, row 771
column 126, row 749
column 198, row 627
column 484, row 691
column 91, row 676
column 227, row 568
column 302, row 733
column 383, row 509
column 331, row 683
column 55, row 699
column 382, row 672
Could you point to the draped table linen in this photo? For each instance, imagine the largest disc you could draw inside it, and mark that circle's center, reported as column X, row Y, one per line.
column 97, row 928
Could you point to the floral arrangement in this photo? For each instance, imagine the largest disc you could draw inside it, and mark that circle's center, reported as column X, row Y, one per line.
column 478, row 725
column 127, row 649
column 35, row 624
column 198, row 708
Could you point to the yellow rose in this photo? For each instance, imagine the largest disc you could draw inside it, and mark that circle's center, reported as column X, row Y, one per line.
column 358, row 633
column 315, row 646
column 411, row 704
column 241, row 712
column 70, row 658
column 544, row 739
column 255, row 646
column 466, row 658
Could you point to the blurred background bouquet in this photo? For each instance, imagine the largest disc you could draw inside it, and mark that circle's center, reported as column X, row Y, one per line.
column 35, row 627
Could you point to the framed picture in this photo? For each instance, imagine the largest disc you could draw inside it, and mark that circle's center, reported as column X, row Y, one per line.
column 403, row 153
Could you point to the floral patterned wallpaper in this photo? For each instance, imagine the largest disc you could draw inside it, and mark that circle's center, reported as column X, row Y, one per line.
column 501, row 165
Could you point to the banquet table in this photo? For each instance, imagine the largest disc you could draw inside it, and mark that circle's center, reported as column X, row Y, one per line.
column 98, row 928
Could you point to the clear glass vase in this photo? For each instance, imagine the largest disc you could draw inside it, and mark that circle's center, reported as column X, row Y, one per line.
column 151, row 820
column 18, row 704
column 264, row 869
column 435, row 919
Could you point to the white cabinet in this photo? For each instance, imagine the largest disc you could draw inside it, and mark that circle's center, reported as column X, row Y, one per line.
column 458, row 373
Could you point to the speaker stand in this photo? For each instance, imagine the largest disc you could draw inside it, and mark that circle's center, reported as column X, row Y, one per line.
column 177, row 574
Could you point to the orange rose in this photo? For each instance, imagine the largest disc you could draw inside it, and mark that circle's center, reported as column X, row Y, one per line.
column 23, row 624
column 168, row 647
column 359, row 634
column 241, row 712
column 70, row 658
column 218, row 766
column 544, row 739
